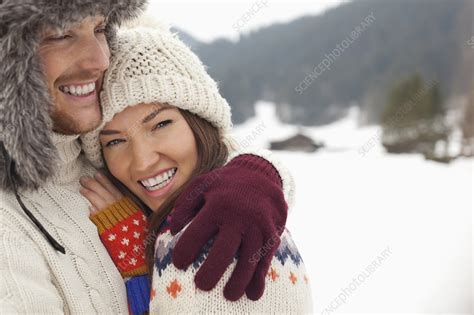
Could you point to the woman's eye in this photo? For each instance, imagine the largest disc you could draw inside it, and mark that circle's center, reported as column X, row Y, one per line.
column 113, row 142
column 162, row 124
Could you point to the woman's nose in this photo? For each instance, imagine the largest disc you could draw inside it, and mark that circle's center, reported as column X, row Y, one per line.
column 144, row 157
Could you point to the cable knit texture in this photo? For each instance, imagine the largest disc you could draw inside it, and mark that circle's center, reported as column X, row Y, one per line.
column 36, row 279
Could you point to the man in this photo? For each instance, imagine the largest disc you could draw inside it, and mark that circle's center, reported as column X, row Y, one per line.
column 53, row 56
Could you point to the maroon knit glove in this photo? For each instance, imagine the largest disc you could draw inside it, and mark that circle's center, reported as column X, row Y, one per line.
column 242, row 206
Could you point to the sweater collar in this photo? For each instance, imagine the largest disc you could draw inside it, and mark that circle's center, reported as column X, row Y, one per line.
column 69, row 149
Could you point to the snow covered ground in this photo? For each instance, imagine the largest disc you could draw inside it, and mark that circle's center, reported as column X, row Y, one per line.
column 379, row 233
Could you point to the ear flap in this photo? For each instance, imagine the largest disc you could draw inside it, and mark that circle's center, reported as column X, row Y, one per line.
column 25, row 104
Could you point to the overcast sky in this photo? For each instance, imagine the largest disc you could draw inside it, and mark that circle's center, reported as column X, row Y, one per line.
column 208, row 20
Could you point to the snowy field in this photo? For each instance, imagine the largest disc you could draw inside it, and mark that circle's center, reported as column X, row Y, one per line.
column 379, row 233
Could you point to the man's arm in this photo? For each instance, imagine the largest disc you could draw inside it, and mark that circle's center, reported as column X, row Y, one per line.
column 287, row 180
column 26, row 286
column 242, row 206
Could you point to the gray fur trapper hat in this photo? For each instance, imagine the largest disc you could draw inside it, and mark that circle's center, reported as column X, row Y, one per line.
column 27, row 154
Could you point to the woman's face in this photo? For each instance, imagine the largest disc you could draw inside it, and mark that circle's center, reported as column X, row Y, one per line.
column 151, row 149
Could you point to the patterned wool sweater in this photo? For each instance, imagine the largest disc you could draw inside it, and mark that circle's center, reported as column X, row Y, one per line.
column 173, row 291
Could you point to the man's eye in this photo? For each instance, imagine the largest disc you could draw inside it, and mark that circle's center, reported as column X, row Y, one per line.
column 113, row 142
column 162, row 124
column 59, row 37
column 101, row 30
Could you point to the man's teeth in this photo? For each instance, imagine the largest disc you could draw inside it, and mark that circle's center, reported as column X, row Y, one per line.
column 78, row 90
column 159, row 181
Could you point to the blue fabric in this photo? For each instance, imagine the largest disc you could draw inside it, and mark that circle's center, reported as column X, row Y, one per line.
column 138, row 294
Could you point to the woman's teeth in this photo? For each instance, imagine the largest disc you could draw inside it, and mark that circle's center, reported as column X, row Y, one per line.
column 78, row 90
column 159, row 181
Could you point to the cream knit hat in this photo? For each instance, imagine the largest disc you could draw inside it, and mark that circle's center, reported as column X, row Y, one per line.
column 149, row 65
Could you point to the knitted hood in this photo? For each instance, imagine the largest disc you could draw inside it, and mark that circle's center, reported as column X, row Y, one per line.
column 27, row 153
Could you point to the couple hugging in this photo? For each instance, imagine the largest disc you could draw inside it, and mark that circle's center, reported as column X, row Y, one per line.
column 179, row 219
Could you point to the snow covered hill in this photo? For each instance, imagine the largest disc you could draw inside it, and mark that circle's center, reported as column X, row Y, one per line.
column 379, row 233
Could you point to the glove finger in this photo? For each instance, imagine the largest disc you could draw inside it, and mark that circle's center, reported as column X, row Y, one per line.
column 220, row 257
column 186, row 207
column 194, row 238
column 249, row 258
column 256, row 286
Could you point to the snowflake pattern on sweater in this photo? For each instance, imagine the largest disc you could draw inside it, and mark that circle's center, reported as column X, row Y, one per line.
column 125, row 243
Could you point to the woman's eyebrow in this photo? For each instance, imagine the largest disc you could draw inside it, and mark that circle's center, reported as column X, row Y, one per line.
column 108, row 132
column 153, row 114
column 149, row 117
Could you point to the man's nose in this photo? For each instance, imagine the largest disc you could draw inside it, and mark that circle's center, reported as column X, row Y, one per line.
column 95, row 55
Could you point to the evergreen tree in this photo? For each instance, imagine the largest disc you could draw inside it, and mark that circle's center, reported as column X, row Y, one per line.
column 413, row 120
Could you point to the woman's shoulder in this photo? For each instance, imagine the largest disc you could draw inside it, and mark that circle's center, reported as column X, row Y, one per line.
column 287, row 250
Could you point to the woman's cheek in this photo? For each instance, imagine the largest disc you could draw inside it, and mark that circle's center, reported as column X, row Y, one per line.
column 115, row 164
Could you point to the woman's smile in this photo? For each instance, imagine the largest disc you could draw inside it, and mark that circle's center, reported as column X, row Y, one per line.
column 160, row 184
column 151, row 149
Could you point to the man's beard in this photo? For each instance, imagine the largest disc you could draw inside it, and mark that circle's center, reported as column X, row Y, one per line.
column 65, row 124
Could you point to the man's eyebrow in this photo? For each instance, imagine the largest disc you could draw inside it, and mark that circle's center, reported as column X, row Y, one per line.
column 101, row 22
column 46, row 30
column 153, row 114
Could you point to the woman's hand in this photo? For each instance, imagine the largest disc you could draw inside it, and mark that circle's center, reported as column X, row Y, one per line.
column 100, row 191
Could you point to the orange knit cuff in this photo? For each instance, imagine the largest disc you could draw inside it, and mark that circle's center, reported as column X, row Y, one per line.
column 108, row 217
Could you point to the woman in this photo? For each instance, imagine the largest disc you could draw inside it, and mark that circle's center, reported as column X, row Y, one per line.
column 155, row 92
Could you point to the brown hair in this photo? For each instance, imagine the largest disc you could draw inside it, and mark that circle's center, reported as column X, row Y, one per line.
column 212, row 153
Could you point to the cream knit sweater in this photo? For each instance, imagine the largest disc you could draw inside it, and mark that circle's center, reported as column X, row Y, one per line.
column 34, row 278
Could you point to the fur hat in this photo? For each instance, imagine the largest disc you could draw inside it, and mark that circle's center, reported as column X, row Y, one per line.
column 150, row 64
column 25, row 103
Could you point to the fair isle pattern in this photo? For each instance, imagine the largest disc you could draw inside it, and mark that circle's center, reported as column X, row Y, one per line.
column 287, row 250
column 165, row 243
column 164, row 248
column 173, row 290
